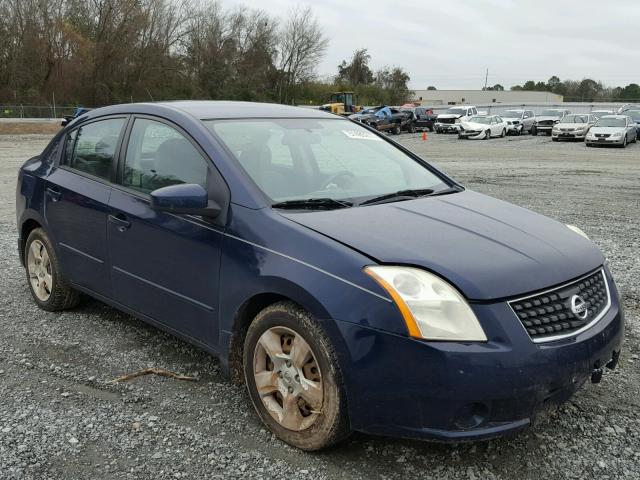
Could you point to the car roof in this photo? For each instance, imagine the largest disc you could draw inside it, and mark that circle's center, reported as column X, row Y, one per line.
column 213, row 109
column 614, row 116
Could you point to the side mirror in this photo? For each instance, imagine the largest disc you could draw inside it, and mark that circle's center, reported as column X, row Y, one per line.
column 185, row 198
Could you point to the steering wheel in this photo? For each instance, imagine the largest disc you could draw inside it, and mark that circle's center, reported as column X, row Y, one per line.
column 333, row 180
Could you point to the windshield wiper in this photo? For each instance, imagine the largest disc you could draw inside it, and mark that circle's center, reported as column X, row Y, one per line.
column 447, row 191
column 313, row 204
column 409, row 195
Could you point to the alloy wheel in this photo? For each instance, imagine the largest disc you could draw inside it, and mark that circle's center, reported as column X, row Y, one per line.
column 39, row 268
column 288, row 378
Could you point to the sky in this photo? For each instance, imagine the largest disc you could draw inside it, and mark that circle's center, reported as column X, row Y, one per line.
column 451, row 43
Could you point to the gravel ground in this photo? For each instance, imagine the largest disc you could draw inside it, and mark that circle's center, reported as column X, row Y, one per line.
column 60, row 418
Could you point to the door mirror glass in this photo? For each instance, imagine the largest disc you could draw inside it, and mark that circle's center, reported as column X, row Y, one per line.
column 186, row 198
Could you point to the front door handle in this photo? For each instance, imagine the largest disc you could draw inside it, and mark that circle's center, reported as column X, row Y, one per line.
column 54, row 194
column 120, row 221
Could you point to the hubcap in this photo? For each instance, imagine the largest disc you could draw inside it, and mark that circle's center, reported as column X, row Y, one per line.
column 288, row 378
column 39, row 268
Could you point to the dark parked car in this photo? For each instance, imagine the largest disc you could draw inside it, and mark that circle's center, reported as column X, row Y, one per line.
column 388, row 119
column 425, row 118
column 547, row 119
column 350, row 284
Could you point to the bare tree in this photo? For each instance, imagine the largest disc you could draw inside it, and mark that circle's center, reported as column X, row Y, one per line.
column 301, row 46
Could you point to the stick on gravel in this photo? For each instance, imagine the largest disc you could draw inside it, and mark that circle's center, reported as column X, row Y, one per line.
column 153, row 371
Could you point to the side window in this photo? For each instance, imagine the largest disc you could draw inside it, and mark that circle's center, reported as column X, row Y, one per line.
column 69, row 143
column 158, row 156
column 91, row 148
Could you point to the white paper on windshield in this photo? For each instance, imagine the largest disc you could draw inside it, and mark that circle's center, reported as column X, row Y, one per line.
column 361, row 135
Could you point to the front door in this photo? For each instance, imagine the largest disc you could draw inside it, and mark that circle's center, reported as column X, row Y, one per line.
column 77, row 194
column 164, row 266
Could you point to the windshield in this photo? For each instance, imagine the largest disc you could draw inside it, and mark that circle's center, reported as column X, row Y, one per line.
column 457, row 111
column 511, row 114
column 598, row 114
column 302, row 158
column 485, row 120
column 610, row 122
column 635, row 114
column 575, row 119
column 551, row 113
column 366, row 111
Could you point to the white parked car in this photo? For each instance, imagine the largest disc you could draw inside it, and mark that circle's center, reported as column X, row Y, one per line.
column 519, row 121
column 483, row 126
column 573, row 126
column 450, row 120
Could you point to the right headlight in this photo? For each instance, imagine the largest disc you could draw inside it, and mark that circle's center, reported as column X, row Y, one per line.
column 432, row 309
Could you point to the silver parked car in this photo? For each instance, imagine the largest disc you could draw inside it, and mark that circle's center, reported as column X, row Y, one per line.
column 612, row 130
column 573, row 126
column 519, row 121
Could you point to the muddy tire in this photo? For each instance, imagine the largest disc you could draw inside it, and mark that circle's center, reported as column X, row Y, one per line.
column 293, row 379
column 48, row 287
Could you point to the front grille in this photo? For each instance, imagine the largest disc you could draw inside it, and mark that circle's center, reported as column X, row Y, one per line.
column 603, row 135
column 556, row 313
column 546, row 122
column 447, row 120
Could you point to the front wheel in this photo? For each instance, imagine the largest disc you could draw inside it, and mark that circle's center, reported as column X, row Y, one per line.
column 293, row 379
column 624, row 142
column 554, row 139
column 48, row 287
column 487, row 135
column 534, row 130
column 504, row 133
column 412, row 128
column 396, row 129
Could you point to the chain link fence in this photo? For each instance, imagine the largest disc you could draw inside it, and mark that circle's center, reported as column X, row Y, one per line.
column 35, row 111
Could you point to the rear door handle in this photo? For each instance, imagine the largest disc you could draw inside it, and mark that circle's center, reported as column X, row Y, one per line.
column 54, row 194
column 120, row 221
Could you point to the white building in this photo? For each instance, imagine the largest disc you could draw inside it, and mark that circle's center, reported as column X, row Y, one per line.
column 483, row 97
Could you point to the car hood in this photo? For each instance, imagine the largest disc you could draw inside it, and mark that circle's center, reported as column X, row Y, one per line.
column 475, row 126
column 488, row 248
column 450, row 115
column 541, row 119
column 573, row 125
column 608, row 130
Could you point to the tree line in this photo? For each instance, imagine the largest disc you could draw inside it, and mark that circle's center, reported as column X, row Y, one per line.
column 586, row 90
column 99, row 52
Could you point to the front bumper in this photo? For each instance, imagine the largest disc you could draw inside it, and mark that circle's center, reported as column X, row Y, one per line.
column 605, row 141
column 568, row 135
column 451, row 391
column 447, row 127
column 471, row 134
column 544, row 128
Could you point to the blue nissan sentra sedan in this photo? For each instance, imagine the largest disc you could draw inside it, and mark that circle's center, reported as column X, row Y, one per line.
column 350, row 284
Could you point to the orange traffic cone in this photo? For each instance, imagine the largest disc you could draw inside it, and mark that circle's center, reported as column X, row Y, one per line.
column 424, row 136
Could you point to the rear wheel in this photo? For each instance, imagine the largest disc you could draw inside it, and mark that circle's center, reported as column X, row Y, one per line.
column 48, row 287
column 504, row 133
column 396, row 129
column 412, row 128
column 292, row 376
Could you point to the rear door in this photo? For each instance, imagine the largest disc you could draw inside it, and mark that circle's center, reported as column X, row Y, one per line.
column 164, row 266
column 77, row 194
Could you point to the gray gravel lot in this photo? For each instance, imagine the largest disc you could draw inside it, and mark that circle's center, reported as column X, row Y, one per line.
column 60, row 418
